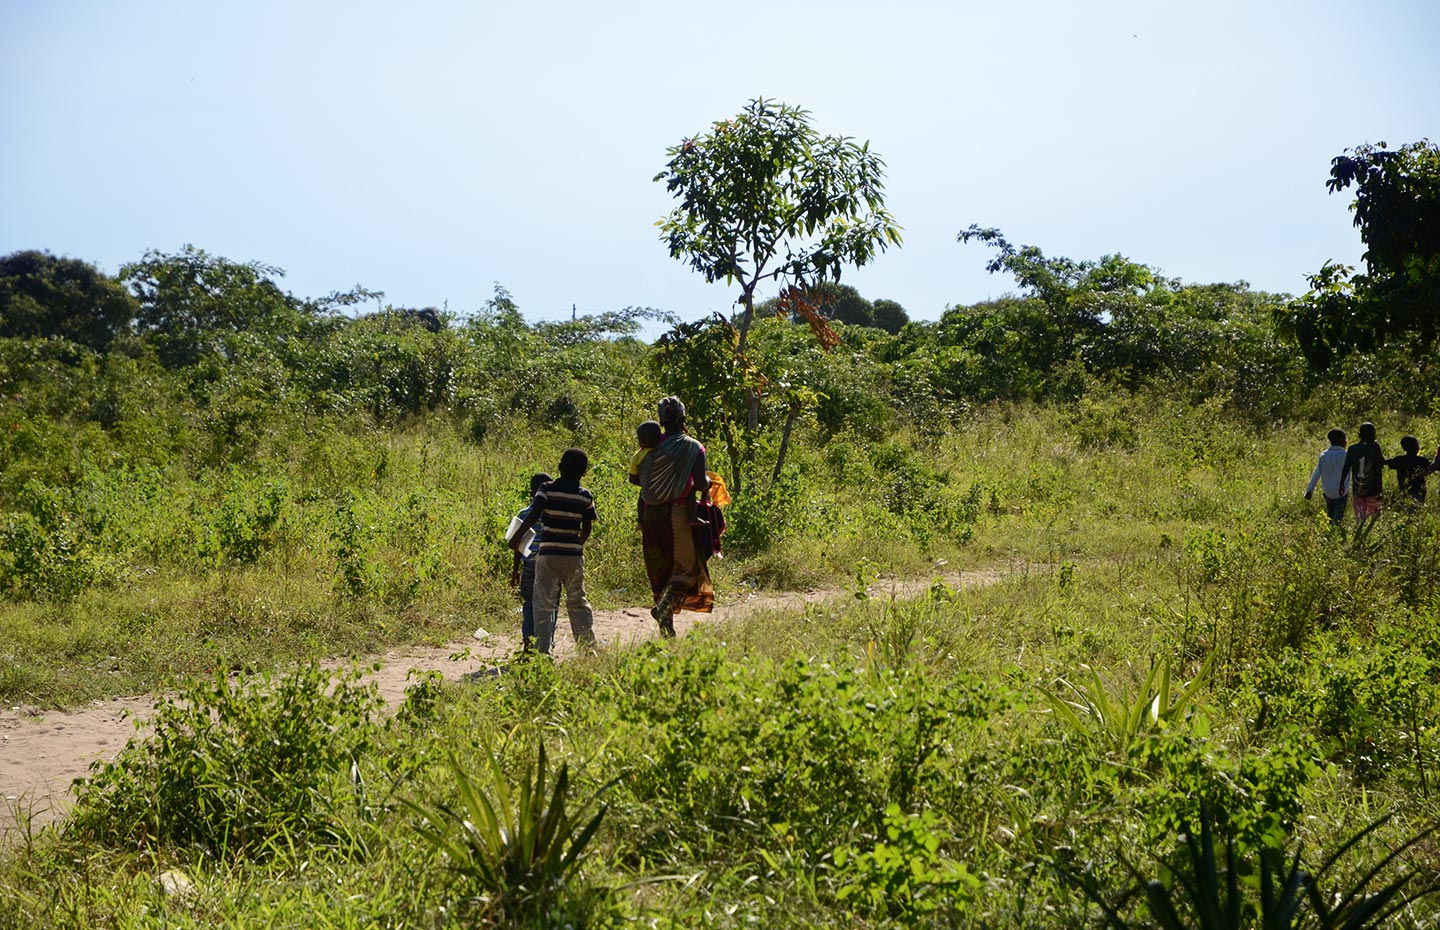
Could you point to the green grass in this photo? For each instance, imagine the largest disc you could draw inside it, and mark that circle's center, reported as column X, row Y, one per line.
column 869, row 760
column 339, row 544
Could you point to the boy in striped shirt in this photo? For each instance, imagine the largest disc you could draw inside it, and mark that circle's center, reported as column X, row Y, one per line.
column 565, row 511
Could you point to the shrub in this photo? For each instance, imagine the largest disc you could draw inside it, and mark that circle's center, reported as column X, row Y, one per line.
column 903, row 872
column 1367, row 702
column 808, row 744
column 47, row 551
column 234, row 767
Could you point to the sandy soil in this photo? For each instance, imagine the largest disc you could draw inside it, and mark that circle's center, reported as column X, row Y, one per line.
column 42, row 753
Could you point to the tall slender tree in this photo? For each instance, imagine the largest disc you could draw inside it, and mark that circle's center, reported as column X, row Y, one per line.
column 766, row 198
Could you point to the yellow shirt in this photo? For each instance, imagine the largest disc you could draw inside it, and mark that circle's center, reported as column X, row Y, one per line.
column 636, row 459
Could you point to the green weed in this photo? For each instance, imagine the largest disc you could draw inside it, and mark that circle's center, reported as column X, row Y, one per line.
column 903, row 874
column 1212, row 885
column 233, row 767
column 1089, row 710
column 514, row 854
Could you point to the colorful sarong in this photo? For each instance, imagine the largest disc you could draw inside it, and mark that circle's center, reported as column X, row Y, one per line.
column 675, row 557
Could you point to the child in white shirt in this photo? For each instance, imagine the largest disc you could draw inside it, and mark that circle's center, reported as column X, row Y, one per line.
column 1327, row 474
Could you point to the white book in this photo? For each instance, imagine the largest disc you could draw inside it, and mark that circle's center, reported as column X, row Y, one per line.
column 529, row 534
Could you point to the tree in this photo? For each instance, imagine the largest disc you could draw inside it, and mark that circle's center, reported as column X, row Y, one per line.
column 1397, row 210
column 191, row 301
column 1078, row 297
column 1114, row 319
column 1057, row 281
column 700, row 362
column 845, row 304
column 764, row 197
column 842, row 303
column 42, row 296
column 889, row 316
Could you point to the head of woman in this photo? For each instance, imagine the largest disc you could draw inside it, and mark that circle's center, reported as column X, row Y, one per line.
column 672, row 415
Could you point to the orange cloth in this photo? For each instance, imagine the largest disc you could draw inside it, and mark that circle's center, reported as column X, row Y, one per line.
column 719, row 494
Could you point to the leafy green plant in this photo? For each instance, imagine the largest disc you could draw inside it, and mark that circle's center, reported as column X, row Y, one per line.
column 232, row 767
column 358, row 574
column 903, row 872
column 1211, row 885
column 46, row 549
column 1090, row 711
column 1365, row 700
column 247, row 518
column 516, row 853
column 733, row 749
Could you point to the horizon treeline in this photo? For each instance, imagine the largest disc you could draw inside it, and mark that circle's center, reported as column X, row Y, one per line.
column 226, row 335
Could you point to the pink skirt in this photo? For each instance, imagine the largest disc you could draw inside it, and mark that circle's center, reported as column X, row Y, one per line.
column 1366, row 506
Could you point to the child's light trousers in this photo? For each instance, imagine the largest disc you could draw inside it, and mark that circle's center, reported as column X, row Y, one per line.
column 552, row 572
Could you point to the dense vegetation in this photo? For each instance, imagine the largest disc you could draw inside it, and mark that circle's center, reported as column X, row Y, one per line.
column 1163, row 652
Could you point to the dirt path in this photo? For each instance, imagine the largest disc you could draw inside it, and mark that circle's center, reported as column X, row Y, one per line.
column 42, row 753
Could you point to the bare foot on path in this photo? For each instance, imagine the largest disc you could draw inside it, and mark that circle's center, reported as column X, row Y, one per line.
column 43, row 752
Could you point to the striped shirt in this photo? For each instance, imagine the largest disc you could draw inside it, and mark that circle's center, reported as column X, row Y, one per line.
column 565, row 507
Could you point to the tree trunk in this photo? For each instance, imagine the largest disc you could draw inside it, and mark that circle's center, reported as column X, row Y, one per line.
column 784, row 446
column 734, row 450
column 752, row 397
column 747, row 314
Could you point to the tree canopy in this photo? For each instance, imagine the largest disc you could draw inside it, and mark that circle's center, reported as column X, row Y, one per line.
column 191, row 301
column 1397, row 208
column 44, row 296
column 889, row 315
column 1111, row 318
column 1397, row 296
column 765, row 197
column 841, row 303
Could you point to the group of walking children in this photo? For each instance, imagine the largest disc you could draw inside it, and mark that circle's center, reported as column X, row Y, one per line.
column 1358, row 470
column 678, row 513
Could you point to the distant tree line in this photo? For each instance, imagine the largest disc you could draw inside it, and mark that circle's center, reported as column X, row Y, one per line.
column 198, row 329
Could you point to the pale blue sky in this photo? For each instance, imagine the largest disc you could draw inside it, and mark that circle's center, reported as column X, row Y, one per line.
column 431, row 149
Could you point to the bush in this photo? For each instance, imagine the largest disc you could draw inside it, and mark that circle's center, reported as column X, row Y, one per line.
column 48, row 551
column 233, row 768
column 1212, row 882
column 804, row 745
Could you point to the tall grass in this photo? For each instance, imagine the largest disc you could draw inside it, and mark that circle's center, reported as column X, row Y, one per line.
column 857, row 771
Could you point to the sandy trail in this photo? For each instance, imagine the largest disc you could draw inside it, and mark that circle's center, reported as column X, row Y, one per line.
column 42, row 753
